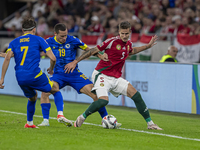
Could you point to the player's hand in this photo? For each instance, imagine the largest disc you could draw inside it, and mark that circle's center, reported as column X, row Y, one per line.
column 2, row 54
column 1, row 84
column 50, row 71
column 70, row 66
column 153, row 41
column 104, row 57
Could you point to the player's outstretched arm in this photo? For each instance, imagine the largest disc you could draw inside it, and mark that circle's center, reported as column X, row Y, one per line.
column 104, row 56
column 5, row 67
column 72, row 65
column 142, row 48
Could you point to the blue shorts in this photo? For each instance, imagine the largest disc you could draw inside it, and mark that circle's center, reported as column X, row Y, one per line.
column 76, row 79
column 41, row 83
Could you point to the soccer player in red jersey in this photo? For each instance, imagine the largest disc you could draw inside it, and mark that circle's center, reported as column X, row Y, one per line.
column 107, row 75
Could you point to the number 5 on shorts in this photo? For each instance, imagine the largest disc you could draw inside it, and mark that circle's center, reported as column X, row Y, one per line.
column 25, row 49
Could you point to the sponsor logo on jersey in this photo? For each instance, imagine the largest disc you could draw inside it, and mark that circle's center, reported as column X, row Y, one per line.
column 124, row 48
column 101, row 84
column 118, row 47
column 67, row 45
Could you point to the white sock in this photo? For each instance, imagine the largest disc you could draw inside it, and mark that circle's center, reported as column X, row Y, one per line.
column 30, row 123
column 46, row 120
column 60, row 112
column 150, row 123
column 82, row 116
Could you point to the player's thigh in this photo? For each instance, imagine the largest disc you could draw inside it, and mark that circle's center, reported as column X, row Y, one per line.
column 87, row 90
column 80, row 83
column 61, row 80
column 120, row 87
column 102, row 85
column 28, row 91
column 42, row 83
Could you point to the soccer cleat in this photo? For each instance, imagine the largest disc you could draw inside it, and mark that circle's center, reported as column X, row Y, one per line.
column 118, row 125
column 30, row 126
column 65, row 121
column 44, row 123
column 154, row 127
column 79, row 121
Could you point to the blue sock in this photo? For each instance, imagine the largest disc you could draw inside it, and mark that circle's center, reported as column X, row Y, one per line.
column 45, row 110
column 103, row 112
column 30, row 110
column 58, row 99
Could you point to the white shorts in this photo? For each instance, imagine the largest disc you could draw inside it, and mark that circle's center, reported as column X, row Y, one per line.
column 104, row 84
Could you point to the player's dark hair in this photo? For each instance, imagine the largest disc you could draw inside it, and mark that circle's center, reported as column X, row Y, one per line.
column 125, row 25
column 28, row 24
column 59, row 26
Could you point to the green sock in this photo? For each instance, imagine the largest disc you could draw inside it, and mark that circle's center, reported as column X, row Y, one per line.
column 95, row 106
column 141, row 106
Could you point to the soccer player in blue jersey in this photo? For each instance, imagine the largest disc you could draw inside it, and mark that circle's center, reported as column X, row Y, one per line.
column 64, row 48
column 26, row 51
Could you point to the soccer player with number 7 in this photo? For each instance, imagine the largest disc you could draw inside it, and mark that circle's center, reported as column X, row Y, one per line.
column 107, row 75
column 26, row 51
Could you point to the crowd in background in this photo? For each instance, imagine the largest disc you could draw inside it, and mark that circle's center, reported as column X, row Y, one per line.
column 96, row 16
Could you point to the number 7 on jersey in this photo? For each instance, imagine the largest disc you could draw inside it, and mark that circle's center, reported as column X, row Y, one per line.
column 25, row 50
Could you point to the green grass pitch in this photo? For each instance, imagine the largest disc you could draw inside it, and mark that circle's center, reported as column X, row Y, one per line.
column 181, row 131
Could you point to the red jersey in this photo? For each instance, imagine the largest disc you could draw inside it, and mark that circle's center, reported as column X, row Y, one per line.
column 117, row 52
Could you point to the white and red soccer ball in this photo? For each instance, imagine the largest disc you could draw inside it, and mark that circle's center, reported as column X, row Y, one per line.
column 109, row 122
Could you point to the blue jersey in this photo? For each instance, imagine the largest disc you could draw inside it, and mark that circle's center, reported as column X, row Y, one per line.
column 65, row 52
column 26, row 49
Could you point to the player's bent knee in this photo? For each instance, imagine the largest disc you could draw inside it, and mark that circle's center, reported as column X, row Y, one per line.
column 93, row 96
column 104, row 97
column 55, row 88
column 34, row 98
column 131, row 90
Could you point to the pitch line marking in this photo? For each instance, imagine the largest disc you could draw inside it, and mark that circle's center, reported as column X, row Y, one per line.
column 140, row 131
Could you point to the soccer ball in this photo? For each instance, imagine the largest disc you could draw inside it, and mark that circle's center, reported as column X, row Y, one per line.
column 109, row 122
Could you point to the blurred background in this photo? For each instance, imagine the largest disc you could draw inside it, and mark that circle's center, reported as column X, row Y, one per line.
column 176, row 22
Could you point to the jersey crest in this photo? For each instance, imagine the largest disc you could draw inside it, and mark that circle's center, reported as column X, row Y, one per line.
column 67, row 45
column 118, row 47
